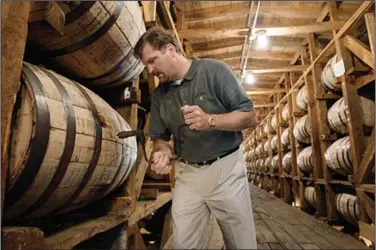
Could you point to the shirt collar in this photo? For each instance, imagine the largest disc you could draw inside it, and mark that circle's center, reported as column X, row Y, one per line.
column 192, row 69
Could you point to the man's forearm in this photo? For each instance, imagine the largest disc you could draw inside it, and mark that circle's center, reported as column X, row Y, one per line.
column 162, row 145
column 235, row 121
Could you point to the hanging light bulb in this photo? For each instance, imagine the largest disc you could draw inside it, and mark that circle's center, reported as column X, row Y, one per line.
column 262, row 42
column 250, row 78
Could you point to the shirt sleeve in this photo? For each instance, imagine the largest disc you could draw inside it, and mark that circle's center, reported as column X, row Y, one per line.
column 230, row 91
column 158, row 129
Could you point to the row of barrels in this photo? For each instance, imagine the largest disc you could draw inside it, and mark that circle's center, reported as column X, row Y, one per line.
column 265, row 182
column 346, row 204
column 337, row 158
column 64, row 150
column 337, row 119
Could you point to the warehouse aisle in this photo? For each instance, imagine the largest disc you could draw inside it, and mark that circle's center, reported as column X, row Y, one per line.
column 281, row 226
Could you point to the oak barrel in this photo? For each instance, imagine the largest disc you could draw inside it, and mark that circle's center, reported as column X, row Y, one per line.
column 273, row 123
column 347, row 207
column 285, row 113
column 305, row 160
column 268, row 163
column 286, row 162
column 337, row 115
column 274, row 164
column 274, row 142
column 302, row 130
column 310, row 196
column 302, row 98
column 97, row 45
column 338, row 156
column 285, row 138
column 328, row 79
column 64, row 148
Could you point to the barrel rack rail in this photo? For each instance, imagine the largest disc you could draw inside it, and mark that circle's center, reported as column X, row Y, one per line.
column 290, row 187
column 139, row 198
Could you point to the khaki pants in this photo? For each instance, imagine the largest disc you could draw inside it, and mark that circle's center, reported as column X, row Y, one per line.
column 221, row 189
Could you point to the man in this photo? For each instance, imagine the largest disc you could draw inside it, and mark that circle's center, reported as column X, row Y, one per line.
column 201, row 103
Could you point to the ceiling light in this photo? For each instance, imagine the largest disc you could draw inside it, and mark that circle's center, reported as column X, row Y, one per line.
column 262, row 40
column 250, row 78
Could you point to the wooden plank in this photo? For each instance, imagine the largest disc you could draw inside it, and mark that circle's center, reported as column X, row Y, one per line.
column 22, row 238
column 14, row 17
column 368, row 204
column 149, row 9
column 294, row 68
column 370, row 23
column 360, row 50
column 263, row 245
column 144, row 208
column 304, row 29
column 263, row 105
column 260, row 91
column 166, row 13
column 49, row 12
column 309, row 246
column 70, row 237
column 283, row 237
column 192, row 34
column 275, row 246
column 369, row 188
column 362, row 81
column 368, row 161
column 367, row 231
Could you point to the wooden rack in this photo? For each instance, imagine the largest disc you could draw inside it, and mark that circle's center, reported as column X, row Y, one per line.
column 128, row 207
column 345, row 45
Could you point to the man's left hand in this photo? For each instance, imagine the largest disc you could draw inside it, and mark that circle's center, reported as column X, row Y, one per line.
column 195, row 117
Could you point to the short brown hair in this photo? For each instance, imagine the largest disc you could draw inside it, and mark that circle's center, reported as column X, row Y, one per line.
column 157, row 38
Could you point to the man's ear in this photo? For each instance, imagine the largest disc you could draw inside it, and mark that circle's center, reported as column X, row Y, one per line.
column 172, row 48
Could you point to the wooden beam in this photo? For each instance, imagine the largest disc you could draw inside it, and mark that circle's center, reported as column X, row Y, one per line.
column 14, row 17
column 22, row 238
column 278, row 70
column 149, row 9
column 360, row 50
column 370, row 23
column 164, row 5
column 368, row 161
column 49, row 12
column 214, row 33
column 265, row 91
column 368, row 204
column 367, row 231
column 263, row 105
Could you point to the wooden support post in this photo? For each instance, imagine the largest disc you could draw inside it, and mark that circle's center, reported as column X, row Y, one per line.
column 130, row 185
column 370, row 22
column 316, row 118
column 369, row 206
column 149, row 9
column 294, row 167
column 14, row 16
column 47, row 11
column 368, row 161
column 22, row 238
column 167, row 229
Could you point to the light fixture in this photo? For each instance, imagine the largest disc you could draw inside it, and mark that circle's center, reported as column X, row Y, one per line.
column 262, row 40
column 250, row 78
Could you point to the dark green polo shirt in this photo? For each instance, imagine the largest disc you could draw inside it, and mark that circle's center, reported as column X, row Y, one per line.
column 210, row 84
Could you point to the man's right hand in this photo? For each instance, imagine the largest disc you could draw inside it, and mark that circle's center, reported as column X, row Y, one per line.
column 161, row 162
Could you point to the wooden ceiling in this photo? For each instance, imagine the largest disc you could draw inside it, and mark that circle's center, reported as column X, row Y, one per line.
column 219, row 29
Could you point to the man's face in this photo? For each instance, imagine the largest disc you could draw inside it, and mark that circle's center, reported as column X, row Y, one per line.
column 159, row 62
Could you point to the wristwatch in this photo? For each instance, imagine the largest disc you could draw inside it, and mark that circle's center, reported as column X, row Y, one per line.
column 211, row 121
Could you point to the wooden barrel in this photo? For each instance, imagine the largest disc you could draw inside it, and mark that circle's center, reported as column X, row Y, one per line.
column 305, row 160
column 328, row 79
column 338, row 156
column 259, row 133
column 337, row 115
column 302, row 99
column 285, row 113
column 302, row 130
column 286, row 162
column 266, row 182
column 260, row 150
column 310, row 196
column 265, row 130
column 65, row 151
column 347, row 207
column 97, row 45
column 274, row 164
column 273, row 124
column 274, row 142
column 285, row 138
column 268, row 163
column 267, row 146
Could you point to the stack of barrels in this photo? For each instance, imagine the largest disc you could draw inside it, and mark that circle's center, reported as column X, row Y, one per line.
column 64, row 150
